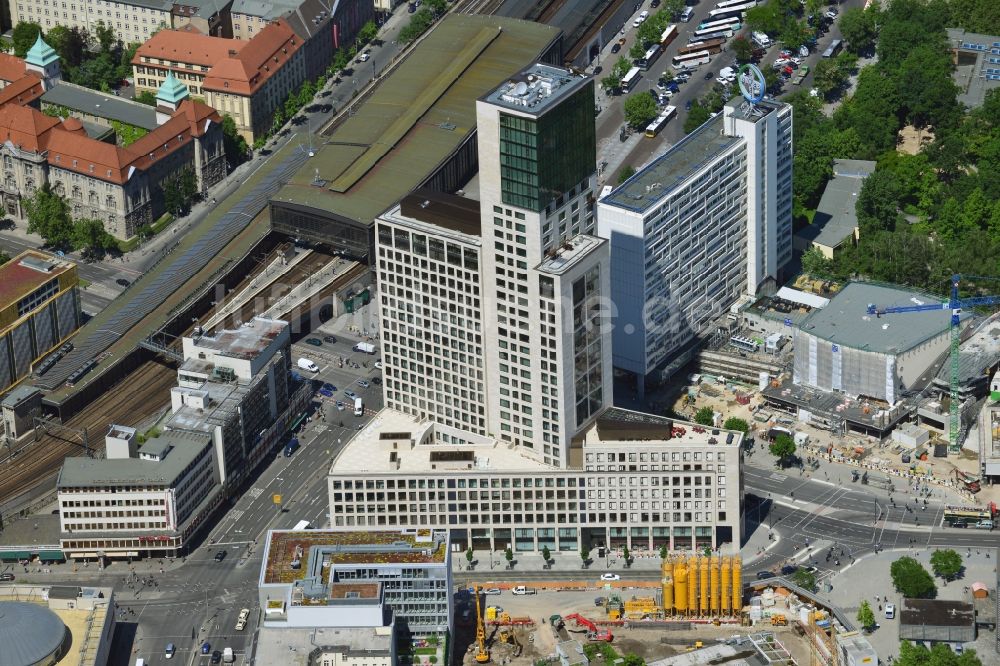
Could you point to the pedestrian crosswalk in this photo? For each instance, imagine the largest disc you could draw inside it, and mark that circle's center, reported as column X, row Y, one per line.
column 256, row 492
column 777, row 477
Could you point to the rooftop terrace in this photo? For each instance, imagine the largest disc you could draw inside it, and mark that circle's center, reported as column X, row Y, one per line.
column 247, row 341
column 536, row 89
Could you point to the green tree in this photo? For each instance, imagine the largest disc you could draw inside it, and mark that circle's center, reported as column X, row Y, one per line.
column 664, row 552
column 704, row 416
column 767, row 17
column 609, row 83
column 437, row 7
column 878, row 202
column 369, row 31
column 626, row 556
column 828, row 77
column 673, row 8
column 857, row 27
column 127, row 134
column 48, row 216
column 469, row 557
column 697, row 116
column 69, row 43
column 146, row 97
column 783, row 448
column 90, row 236
column 235, row 145
column 584, row 557
column 99, row 72
column 815, row 263
column 865, row 617
column 418, row 25
column 546, row 554
column 640, row 109
column 508, row 555
column 146, row 232
column 930, row 99
column 794, row 34
column 736, row 423
column 24, row 36
column 637, row 51
column 621, row 68
column 805, row 579
column 625, row 173
column 911, row 579
column 946, row 563
column 179, row 192
column 742, row 49
column 107, row 40
column 939, row 655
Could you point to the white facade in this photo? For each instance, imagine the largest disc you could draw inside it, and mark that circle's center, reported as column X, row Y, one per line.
column 535, row 399
column 431, row 309
column 133, row 23
column 707, row 222
column 633, row 480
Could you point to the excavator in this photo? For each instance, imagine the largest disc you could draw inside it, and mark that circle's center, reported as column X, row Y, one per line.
column 482, row 654
column 593, row 633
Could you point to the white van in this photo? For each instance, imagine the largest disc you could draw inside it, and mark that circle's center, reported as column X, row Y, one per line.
column 687, row 14
column 359, row 407
column 761, row 38
column 306, row 364
column 140, row 662
column 169, row 652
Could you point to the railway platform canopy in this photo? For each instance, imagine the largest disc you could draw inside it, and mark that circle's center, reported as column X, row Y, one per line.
column 415, row 128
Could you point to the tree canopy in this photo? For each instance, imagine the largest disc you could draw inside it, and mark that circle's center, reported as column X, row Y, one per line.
column 704, row 416
column 640, row 109
column 939, row 655
column 736, row 423
column 911, row 579
column 866, row 617
column 946, row 563
column 783, row 448
column 23, row 37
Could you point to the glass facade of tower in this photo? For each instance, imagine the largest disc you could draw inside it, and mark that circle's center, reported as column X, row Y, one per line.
column 542, row 158
column 587, row 352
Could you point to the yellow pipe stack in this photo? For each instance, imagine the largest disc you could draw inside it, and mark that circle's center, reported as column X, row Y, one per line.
column 693, row 585
column 703, row 564
column 715, row 591
column 667, row 584
column 727, row 582
column 737, row 586
column 680, row 587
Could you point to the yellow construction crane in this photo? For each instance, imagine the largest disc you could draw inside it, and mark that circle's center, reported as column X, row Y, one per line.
column 482, row 655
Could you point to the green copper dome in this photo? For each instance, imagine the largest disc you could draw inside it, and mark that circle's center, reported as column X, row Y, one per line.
column 41, row 54
column 172, row 91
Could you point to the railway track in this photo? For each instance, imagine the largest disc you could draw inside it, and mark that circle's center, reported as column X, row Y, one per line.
column 485, row 7
column 145, row 392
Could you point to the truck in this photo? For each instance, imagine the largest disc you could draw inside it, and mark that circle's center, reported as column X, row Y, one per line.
column 227, row 655
column 365, row 347
column 800, row 75
column 521, row 589
column 293, row 444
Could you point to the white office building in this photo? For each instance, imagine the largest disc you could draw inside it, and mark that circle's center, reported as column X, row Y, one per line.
column 633, row 479
column 705, row 223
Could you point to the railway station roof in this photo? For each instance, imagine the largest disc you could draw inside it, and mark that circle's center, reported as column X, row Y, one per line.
column 416, row 118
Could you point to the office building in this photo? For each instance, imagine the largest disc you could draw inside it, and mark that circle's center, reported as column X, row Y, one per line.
column 633, row 479
column 39, row 310
column 357, row 578
column 247, row 80
column 133, row 21
column 544, row 273
column 705, row 223
column 234, row 402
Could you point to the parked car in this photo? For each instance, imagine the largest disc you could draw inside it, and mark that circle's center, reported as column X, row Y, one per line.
column 326, row 393
column 654, row 4
column 123, row 282
column 205, row 648
column 329, row 387
column 340, row 405
column 7, row 577
column 351, row 394
column 221, row 555
column 216, row 657
column 364, row 57
column 377, row 381
column 610, row 576
column 315, row 342
column 378, row 364
column 491, row 590
column 764, row 575
column 709, row 76
column 687, row 105
column 616, row 47
column 329, row 339
column 363, row 383
column 788, row 569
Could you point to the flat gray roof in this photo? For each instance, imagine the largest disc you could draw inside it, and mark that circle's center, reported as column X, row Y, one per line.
column 846, row 321
column 672, row 168
column 77, row 472
column 101, row 104
column 835, row 217
column 18, row 394
column 536, row 89
column 975, row 78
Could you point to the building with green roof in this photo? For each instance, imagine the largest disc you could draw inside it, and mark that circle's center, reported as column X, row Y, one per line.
column 417, row 128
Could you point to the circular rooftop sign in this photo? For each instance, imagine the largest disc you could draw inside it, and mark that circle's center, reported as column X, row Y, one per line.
column 752, row 83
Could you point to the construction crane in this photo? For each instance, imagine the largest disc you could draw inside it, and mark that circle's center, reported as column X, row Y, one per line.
column 955, row 304
column 482, row 655
column 593, row 633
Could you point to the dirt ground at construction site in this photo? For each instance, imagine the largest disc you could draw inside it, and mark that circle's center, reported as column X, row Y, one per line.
column 721, row 398
column 538, row 641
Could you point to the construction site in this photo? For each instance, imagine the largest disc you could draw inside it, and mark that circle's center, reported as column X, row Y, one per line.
column 700, row 612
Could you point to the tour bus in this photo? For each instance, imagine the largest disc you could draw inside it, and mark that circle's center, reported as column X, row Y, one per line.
column 723, row 23
column 654, row 127
column 833, row 49
column 713, row 46
column 630, row 79
column 721, row 33
column 727, row 29
column 730, row 12
column 669, row 35
column 651, row 56
column 691, row 60
column 726, row 4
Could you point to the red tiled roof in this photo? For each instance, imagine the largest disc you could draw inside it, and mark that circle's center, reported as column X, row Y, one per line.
column 11, row 67
column 24, row 90
column 184, row 46
column 25, row 127
column 260, row 58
